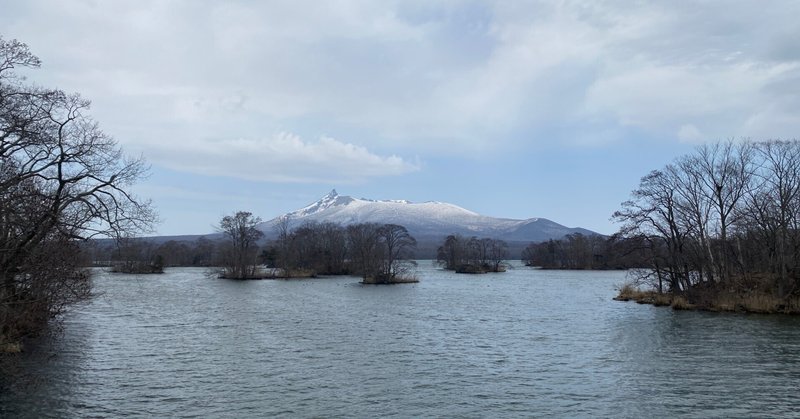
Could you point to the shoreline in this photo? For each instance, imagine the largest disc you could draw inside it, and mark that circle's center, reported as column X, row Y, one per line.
column 726, row 302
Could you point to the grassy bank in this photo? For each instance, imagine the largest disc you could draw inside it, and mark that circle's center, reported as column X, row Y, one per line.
column 714, row 300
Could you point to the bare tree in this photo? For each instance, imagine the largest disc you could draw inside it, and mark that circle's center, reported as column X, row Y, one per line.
column 653, row 213
column 726, row 174
column 476, row 249
column 772, row 205
column 693, row 215
column 242, row 234
column 451, row 253
column 398, row 247
column 497, row 254
column 549, row 255
column 283, row 230
column 61, row 179
column 332, row 249
column 472, row 255
column 366, row 252
column 381, row 253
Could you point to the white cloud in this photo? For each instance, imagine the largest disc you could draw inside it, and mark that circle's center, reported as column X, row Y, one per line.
column 284, row 157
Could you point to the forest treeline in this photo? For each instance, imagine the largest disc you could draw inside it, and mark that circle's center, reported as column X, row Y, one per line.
column 202, row 252
column 724, row 219
column 579, row 251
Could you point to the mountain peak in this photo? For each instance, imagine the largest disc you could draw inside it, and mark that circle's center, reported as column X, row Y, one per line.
column 432, row 219
column 331, row 199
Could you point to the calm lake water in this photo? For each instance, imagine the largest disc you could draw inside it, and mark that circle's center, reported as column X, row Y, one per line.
column 521, row 343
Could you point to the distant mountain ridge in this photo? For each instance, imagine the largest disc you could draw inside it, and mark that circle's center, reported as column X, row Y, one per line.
column 426, row 220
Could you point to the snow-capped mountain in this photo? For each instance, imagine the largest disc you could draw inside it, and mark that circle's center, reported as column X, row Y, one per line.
column 425, row 220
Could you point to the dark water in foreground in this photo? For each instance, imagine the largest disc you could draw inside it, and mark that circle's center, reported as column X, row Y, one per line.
column 522, row 343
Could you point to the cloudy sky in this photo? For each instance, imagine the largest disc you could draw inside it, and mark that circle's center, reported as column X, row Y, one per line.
column 512, row 109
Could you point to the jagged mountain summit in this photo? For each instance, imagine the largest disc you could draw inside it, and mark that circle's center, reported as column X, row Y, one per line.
column 426, row 220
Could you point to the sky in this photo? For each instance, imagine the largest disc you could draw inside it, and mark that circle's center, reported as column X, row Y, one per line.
column 514, row 109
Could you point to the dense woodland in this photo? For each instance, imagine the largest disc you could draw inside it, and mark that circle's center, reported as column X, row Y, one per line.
column 724, row 219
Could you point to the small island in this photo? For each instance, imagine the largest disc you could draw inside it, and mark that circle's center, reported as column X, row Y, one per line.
column 135, row 256
column 140, row 268
column 473, row 255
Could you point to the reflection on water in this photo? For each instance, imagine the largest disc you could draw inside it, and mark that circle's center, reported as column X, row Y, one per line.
column 525, row 342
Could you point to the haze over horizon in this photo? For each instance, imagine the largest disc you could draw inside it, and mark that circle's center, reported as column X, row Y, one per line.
column 509, row 109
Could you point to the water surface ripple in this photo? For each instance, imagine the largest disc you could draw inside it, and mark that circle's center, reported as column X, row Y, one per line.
column 522, row 343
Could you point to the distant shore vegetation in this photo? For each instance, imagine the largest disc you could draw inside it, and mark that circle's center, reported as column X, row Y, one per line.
column 719, row 229
column 587, row 252
column 378, row 253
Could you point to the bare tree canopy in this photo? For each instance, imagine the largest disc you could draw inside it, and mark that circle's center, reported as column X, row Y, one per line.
column 726, row 217
column 61, row 179
column 365, row 250
column 240, row 258
column 398, row 248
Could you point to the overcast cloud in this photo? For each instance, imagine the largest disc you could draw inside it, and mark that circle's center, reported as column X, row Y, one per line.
column 291, row 91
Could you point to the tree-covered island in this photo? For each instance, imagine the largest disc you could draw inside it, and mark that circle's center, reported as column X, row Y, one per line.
column 472, row 255
column 378, row 253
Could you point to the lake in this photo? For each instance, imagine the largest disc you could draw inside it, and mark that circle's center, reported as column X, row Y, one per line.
column 521, row 343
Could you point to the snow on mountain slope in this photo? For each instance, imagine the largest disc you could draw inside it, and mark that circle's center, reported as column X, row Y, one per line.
column 426, row 219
